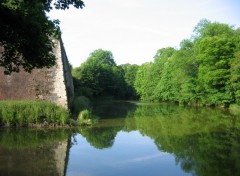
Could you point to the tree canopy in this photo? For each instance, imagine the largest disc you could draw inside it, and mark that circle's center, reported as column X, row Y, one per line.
column 204, row 70
column 100, row 76
column 26, row 31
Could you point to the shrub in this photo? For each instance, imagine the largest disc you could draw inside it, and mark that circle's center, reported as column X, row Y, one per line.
column 80, row 103
column 235, row 109
column 85, row 117
column 85, row 114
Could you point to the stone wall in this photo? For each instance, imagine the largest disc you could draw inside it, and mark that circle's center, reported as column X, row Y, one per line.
column 54, row 84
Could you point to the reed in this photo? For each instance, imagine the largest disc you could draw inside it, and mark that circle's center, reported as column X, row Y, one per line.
column 32, row 112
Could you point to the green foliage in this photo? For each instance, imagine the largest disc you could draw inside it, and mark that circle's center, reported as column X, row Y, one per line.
column 162, row 90
column 205, row 70
column 100, row 138
column 130, row 72
column 80, row 103
column 163, row 54
column 85, row 114
column 86, row 117
column 149, row 76
column 96, row 73
column 206, row 28
column 184, row 73
column 234, row 109
column 215, row 54
column 99, row 76
column 26, row 31
column 104, row 57
column 235, row 76
column 146, row 81
column 30, row 113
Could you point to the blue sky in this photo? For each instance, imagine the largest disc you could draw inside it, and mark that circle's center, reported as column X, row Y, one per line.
column 133, row 30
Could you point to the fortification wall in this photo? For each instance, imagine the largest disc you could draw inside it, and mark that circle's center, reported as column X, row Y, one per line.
column 54, row 84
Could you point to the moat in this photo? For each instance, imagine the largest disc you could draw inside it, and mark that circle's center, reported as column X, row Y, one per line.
column 131, row 138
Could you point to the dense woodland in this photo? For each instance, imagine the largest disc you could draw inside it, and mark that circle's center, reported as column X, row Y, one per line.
column 205, row 70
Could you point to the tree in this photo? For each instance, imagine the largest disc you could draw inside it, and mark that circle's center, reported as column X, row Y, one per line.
column 164, row 88
column 235, row 76
column 204, row 70
column 205, row 28
column 103, row 57
column 130, row 72
column 26, row 31
column 100, row 75
column 215, row 50
column 163, row 54
column 178, row 75
column 235, row 67
column 146, row 80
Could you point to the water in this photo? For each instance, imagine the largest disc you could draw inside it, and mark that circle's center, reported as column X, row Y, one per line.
column 131, row 154
column 130, row 139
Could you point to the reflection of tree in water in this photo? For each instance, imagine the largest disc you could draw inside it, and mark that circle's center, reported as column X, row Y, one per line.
column 113, row 109
column 204, row 154
column 100, row 137
column 204, row 141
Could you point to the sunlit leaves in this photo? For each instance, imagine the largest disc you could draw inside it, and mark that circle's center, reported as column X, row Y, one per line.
column 100, row 75
column 235, row 76
column 204, row 70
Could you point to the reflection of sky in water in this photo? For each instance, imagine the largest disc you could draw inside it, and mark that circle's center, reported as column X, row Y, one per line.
column 132, row 154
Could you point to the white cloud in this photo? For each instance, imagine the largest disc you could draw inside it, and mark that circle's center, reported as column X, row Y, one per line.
column 143, row 158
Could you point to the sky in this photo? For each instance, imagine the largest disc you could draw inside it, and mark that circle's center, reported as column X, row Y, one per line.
column 133, row 30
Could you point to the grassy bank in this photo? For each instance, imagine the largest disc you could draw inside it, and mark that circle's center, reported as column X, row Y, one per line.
column 32, row 113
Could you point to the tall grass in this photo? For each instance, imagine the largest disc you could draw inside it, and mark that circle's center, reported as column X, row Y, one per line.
column 26, row 113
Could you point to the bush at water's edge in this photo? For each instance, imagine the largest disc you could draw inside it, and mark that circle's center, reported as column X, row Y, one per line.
column 32, row 113
column 234, row 109
column 80, row 103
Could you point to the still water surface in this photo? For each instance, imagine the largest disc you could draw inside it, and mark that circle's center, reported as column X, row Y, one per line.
column 130, row 139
